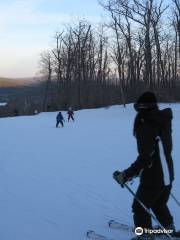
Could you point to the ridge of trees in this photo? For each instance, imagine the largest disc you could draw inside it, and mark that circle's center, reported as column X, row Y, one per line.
column 137, row 49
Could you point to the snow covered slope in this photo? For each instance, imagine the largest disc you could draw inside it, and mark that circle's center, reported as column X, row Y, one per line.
column 57, row 183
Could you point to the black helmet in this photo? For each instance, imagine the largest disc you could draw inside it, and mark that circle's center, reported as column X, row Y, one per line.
column 147, row 101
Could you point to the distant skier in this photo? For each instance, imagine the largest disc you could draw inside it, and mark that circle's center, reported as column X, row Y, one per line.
column 59, row 119
column 154, row 165
column 70, row 114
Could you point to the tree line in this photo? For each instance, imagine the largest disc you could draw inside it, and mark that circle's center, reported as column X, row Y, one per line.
column 137, row 48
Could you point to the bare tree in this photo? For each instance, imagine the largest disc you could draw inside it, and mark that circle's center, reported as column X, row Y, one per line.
column 46, row 65
column 177, row 19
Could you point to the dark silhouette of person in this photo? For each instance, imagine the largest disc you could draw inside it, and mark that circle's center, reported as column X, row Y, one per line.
column 59, row 119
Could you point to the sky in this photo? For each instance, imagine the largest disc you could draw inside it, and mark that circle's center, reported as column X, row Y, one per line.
column 27, row 28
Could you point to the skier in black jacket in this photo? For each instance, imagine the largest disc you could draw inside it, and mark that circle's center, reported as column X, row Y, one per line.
column 59, row 119
column 154, row 165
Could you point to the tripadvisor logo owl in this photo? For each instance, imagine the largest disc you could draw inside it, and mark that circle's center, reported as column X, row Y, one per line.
column 139, row 231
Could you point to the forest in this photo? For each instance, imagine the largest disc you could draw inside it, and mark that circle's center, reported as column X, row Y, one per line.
column 136, row 48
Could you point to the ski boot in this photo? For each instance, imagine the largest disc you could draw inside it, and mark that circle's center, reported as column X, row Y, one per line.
column 169, row 227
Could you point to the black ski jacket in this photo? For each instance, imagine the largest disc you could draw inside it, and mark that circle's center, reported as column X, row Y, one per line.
column 154, row 164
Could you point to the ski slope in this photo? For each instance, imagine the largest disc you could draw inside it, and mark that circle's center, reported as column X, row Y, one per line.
column 56, row 183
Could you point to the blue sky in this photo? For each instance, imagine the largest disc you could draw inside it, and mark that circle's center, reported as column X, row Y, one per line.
column 26, row 28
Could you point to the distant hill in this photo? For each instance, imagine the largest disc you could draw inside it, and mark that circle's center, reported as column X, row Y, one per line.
column 16, row 82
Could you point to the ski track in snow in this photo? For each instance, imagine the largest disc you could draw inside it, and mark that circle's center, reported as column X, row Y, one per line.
column 55, row 184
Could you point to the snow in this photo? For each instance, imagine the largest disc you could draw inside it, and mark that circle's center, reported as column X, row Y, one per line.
column 56, row 183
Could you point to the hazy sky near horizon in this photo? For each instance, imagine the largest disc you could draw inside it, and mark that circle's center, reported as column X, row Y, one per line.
column 27, row 28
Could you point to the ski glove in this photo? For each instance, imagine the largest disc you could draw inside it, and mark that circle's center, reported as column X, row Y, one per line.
column 119, row 177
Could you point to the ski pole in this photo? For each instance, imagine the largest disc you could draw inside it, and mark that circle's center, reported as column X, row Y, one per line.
column 147, row 210
column 175, row 199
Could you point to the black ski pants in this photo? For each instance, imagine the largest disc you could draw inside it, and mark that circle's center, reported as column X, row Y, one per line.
column 70, row 116
column 154, row 198
column 57, row 123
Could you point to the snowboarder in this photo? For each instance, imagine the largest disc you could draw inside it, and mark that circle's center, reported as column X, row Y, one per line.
column 70, row 114
column 59, row 119
column 154, row 165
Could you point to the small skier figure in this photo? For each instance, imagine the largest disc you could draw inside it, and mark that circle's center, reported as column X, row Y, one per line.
column 59, row 119
column 154, row 165
column 70, row 114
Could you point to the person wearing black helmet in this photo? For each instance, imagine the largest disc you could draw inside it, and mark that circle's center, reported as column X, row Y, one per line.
column 154, row 164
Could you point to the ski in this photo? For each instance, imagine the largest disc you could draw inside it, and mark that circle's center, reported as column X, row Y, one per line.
column 158, row 238
column 124, row 227
column 113, row 224
column 121, row 226
column 96, row 236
